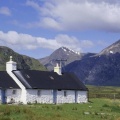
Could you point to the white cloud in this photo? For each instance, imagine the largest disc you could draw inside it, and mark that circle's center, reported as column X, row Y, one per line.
column 5, row 11
column 16, row 40
column 50, row 23
column 33, row 4
column 79, row 14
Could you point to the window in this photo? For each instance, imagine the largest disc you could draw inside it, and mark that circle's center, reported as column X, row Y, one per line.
column 39, row 92
column 65, row 93
column 59, row 89
column 14, row 92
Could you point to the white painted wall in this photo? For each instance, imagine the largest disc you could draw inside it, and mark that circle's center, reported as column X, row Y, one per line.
column 69, row 98
column 23, row 93
column 16, row 97
column 82, row 97
column 46, row 96
column 11, row 65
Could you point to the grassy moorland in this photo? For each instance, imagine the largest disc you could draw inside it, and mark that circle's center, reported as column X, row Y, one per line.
column 104, row 92
column 97, row 109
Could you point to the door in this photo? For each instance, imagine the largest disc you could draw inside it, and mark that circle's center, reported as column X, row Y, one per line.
column 76, row 96
column 54, row 96
column 3, row 96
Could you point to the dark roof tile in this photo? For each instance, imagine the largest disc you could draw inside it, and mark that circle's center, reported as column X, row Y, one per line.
column 50, row 80
column 6, row 81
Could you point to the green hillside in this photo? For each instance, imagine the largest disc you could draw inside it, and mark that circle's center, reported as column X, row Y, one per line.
column 23, row 62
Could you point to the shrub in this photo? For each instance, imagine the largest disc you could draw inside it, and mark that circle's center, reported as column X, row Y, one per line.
column 105, row 105
column 59, row 108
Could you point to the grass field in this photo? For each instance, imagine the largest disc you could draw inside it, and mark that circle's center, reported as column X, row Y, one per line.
column 96, row 109
column 104, row 92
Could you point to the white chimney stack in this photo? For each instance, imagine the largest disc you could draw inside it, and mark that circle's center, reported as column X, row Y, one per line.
column 57, row 69
column 11, row 65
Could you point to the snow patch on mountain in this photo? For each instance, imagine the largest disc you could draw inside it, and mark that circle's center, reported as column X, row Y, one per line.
column 112, row 49
column 64, row 49
column 70, row 51
column 111, row 52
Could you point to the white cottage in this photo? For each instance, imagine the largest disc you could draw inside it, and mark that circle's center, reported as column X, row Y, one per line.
column 33, row 86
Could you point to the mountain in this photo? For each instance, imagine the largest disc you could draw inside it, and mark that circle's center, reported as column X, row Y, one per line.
column 62, row 53
column 23, row 62
column 100, row 69
column 112, row 49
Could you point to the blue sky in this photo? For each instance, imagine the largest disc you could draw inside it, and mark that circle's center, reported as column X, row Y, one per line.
column 38, row 27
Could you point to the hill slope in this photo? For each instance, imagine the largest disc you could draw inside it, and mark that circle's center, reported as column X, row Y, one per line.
column 112, row 49
column 100, row 69
column 23, row 62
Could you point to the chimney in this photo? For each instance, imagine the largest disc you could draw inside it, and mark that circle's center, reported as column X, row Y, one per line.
column 11, row 65
column 57, row 69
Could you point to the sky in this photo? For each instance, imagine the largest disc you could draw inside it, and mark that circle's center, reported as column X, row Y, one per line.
column 36, row 28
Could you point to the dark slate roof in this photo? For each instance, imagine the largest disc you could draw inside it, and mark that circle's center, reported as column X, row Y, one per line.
column 6, row 81
column 50, row 80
